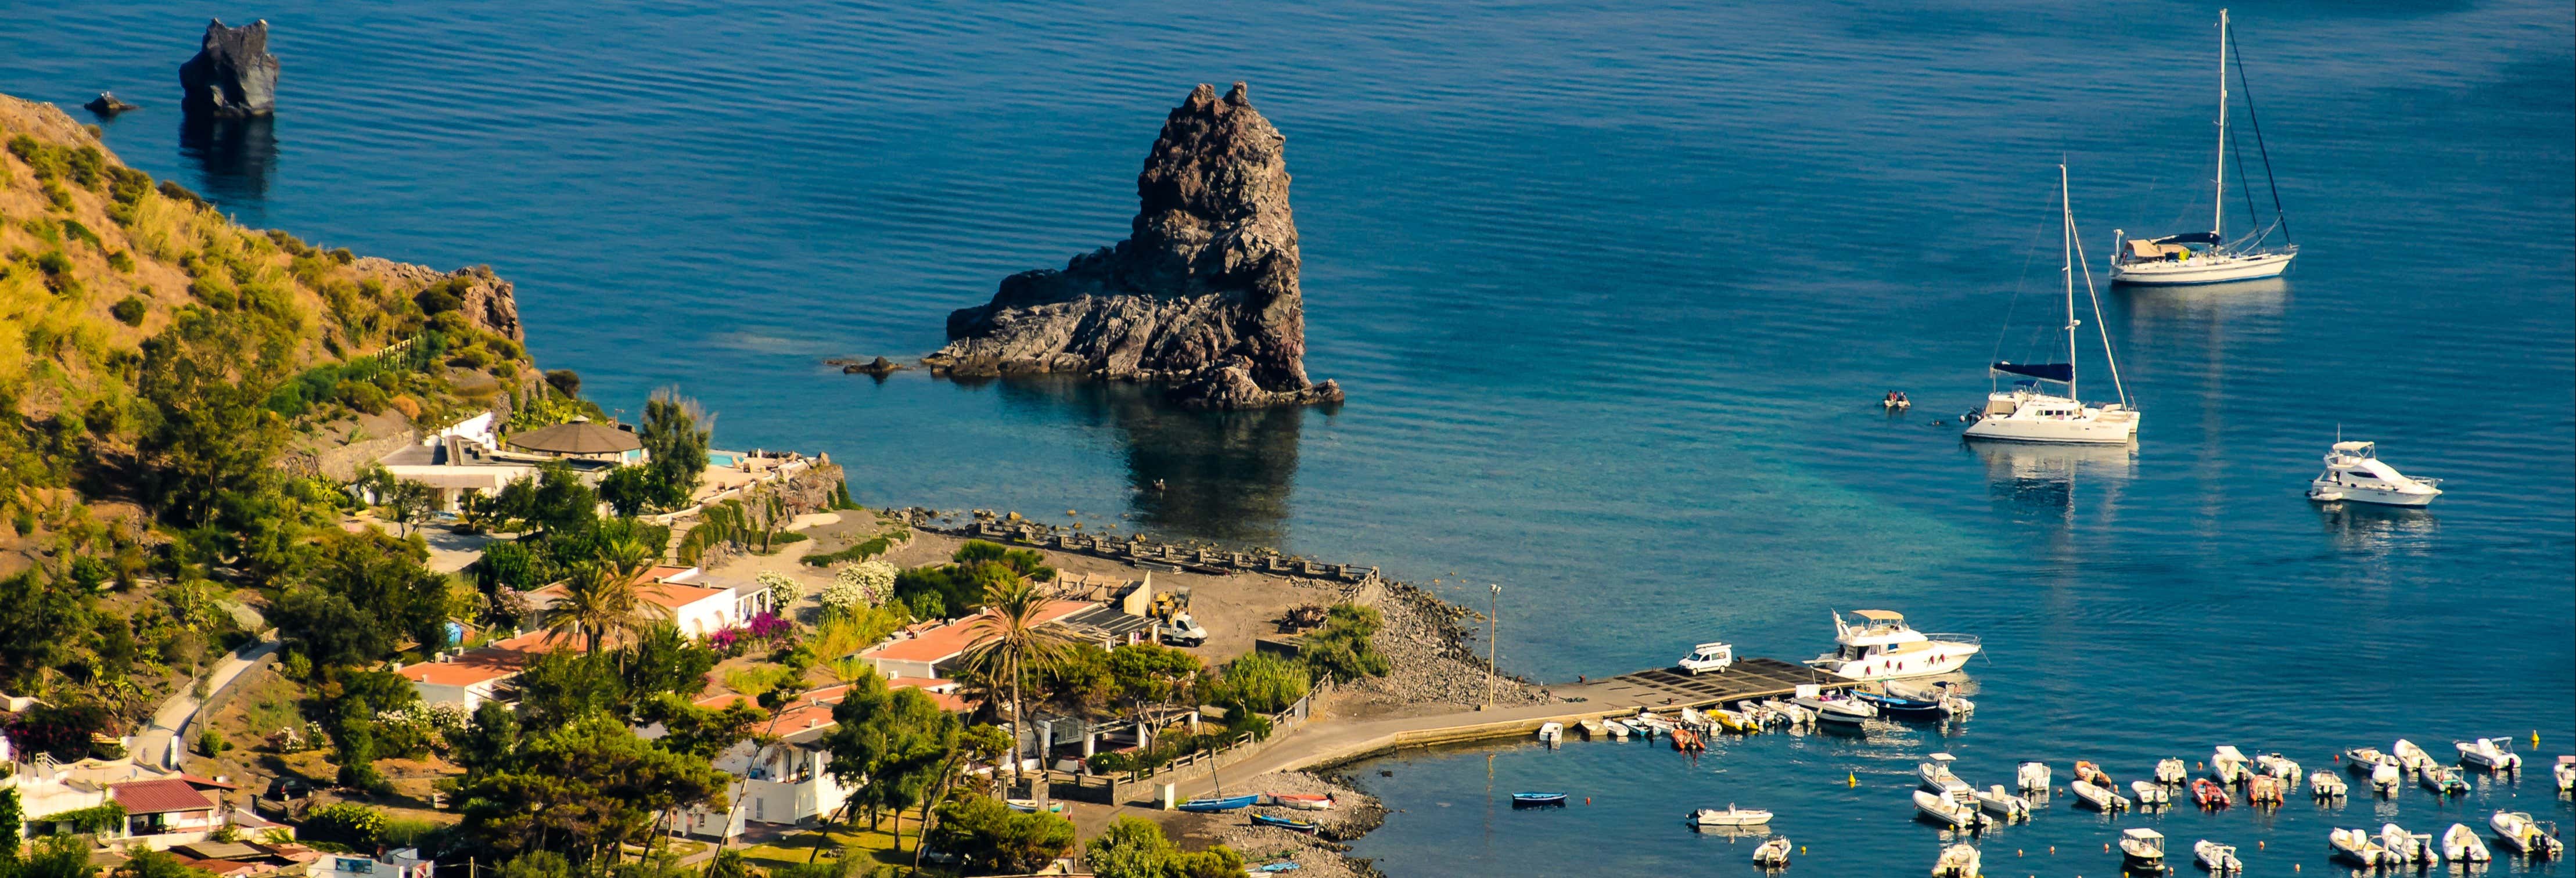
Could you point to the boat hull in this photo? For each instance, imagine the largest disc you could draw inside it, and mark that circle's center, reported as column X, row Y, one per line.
column 2098, row 430
column 2201, row 270
column 2324, row 491
column 1207, row 806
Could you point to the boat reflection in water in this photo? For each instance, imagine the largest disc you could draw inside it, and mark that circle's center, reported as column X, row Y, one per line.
column 2377, row 530
column 2048, row 480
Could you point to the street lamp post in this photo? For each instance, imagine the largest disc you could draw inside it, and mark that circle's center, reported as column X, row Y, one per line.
column 1493, row 642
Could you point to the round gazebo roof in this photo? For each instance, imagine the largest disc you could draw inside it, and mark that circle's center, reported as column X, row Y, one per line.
column 578, row 437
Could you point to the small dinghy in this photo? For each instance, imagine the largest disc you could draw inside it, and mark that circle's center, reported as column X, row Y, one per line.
column 2356, row 846
column 2150, row 793
column 2492, row 754
column 2265, row 789
column 1908, row 706
column 2210, row 794
column 2325, row 784
column 1551, row 732
column 2407, row 848
column 2411, row 757
column 2032, row 775
column 2002, row 803
column 2517, row 830
column 2444, row 780
column 2229, row 765
column 2092, row 774
column 1538, row 800
column 1772, row 854
column 1619, row 731
column 2142, row 849
column 2279, row 766
column 1212, row 805
column 1734, row 722
column 2462, row 845
column 1841, row 711
column 1959, row 861
column 1651, row 724
column 1948, row 811
column 1732, row 816
column 1302, row 801
column 2359, row 760
column 1291, row 824
column 1935, row 772
column 2385, row 776
column 1896, row 401
column 1030, row 806
column 2218, row 858
column 2172, row 772
column 1593, row 730
column 2565, row 773
column 2100, row 797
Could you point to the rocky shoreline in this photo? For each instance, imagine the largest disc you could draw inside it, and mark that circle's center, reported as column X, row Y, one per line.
column 1325, row 854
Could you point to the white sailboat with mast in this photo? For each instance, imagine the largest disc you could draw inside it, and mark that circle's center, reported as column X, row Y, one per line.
column 2209, row 257
column 2026, row 412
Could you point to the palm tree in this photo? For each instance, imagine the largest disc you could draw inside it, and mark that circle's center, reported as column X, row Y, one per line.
column 1009, row 641
column 600, row 603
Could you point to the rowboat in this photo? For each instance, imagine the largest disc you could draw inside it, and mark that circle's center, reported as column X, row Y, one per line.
column 1291, row 824
column 1732, row 816
column 1302, row 801
column 2462, row 845
column 2217, row 858
column 2357, row 846
column 1538, row 800
column 2100, row 797
column 2209, row 793
column 2517, row 830
column 1772, row 854
column 1228, row 803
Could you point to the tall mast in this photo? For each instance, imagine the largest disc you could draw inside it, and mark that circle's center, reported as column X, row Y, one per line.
column 2066, row 225
column 2218, row 203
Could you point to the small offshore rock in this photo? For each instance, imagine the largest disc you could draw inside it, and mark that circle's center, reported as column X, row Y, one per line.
column 879, row 366
column 107, row 104
column 233, row 75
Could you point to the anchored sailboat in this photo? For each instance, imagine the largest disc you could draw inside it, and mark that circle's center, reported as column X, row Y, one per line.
column 2025, row 413
column 2209, row 257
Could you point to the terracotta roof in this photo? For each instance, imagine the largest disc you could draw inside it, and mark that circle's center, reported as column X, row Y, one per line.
column 950, row 640
column 492, row 661
column 661, row 585
column 159, row 797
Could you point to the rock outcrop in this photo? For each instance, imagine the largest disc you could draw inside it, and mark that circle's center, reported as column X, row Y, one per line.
column 490, row 302
column 233, row 75
column 1202, row 294
column 108, row 104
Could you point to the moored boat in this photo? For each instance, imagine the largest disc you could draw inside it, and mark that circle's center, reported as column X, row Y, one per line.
column 2264, row 789
column 1291, row 824
column 2407, row 848
column 2172, row 772
column 2385, row 775
column 2325, row 784
column 2565, row 773
column 1948, row 811
column 2032, row 775
column 1551, row 732
column 2356, row 846
column 2492, row 754
column 1732, row 816
column 2518, row 831
column 2411, row 757
column 1772, row 854
column 2210, row 257
column 2279, row 766
column 2209, row 793
column 2217, row 858
column 1538, row 800
column 1219, row 803
column 1934, row 771
column 1734, row 722
column 2002, row 803
column 1882, row 647
column 2354, row 473
column 2359, row 760
column 2229, row 765
column 2030, row 413
column 1303, row 801
column 2150, row 793
column 2462, row 845
column 2102, row 798
column 2142, row 848
column 1959, row 861
column 2444, row 780
column 1593, row 730
column 2092, row 774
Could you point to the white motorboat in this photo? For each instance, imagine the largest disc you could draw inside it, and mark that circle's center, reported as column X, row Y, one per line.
column 2565, row 773
column 2326, row 784
column 1551, row 732
column 2279, row 766
column 1959, row 861
column 2229, row 765
column 2407, row 848
column 1772, row 854
column 2100, row 797
column 1732, row 816
column 1708, row 658
column 2150, row 793
column 1882, row 647
column 2492, row 754
column 1842, row 709
column 2357, row 846
column 2385, row 776
column 2142, row 849
column 1593, row 730
column 2517, row 830
column 2172, row 772
column 1935, row 771
column 2027, row 413
column 2032, row 775
column 1997, row 801
column 1619, row 731
column 1948, row 811
column 2217, row 858
column 2358, row 760
column 1649, row 724
column 2354, row 473
column 2460, row 844
column 2444, row 780
column 2208, row 257
column 2411, row 757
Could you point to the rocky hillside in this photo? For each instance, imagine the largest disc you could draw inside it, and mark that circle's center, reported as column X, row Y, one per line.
column 1203, row 294
column 125, row 303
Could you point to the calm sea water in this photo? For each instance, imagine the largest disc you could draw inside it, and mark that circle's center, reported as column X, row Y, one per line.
column 1614, row 292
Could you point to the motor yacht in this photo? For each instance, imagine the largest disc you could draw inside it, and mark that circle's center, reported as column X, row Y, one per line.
column 1880, row 646
column 2028, row 413
column 2355, row 474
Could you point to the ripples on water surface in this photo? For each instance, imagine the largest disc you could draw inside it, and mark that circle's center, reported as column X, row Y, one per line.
column 1614, row 293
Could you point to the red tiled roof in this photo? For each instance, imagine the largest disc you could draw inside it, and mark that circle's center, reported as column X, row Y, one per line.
column 159, row 797
column 947, row 641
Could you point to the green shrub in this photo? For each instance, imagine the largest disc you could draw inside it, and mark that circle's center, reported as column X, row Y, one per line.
column 349, row 823
column 1341, row 648
column 1134, row 847
column 129, row 310
column 1260, row 683
column 861, row 551
column 993, row 839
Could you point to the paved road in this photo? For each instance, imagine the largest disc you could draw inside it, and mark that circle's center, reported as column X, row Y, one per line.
column 152, row 745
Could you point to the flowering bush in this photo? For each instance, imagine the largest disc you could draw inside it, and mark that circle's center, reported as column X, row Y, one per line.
column 419, row 728
column 728, row 642
column 783, row 591
column 769, row 628
column 863, row 584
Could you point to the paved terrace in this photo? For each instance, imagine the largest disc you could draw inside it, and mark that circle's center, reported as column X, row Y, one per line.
column 1328, row 743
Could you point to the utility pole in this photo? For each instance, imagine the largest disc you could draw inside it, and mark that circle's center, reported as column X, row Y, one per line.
column 1493, row 642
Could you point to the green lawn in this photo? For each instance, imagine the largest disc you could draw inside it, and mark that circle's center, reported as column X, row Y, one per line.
column 877, row 843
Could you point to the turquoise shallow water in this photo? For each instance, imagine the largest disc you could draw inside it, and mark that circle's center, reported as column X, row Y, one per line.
column 1614, row 292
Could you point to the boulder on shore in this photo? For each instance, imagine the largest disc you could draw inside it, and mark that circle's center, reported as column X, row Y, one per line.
column 1203, row 293
column 108, row 104
column 233, row 75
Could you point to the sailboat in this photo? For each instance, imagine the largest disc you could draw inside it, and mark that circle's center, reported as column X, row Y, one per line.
column 2026, row 413
column 2209, row 257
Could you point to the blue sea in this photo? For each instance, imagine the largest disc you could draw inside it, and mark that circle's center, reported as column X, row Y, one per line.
column 1615, row 290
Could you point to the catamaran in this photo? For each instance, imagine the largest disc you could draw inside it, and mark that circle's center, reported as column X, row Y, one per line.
column 2209, row 257
column 2025, row 413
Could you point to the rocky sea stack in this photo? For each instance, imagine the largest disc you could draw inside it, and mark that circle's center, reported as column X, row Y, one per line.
column 1203, row 294
column 233, row 75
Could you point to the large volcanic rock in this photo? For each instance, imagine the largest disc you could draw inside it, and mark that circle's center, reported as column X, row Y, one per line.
column 233, row 74
column 1204, row 294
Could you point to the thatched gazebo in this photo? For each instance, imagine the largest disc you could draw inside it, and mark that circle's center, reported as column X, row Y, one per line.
column 580, row 438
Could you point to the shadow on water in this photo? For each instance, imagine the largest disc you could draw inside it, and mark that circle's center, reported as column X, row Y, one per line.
column 1220, row 476
column 234, row 157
